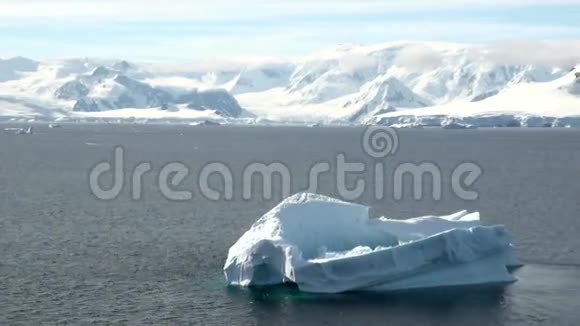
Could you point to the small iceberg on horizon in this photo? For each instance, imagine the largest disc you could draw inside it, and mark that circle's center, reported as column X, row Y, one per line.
column 21, row 131
column 324, row 245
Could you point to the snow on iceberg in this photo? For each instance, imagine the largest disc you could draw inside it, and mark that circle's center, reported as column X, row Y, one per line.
column 325, row 245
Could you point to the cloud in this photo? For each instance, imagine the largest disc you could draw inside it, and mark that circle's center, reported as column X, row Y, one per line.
column 418, row 58
column 354, row 62
column 548, row 53
column 188, row 29
column 553, row 53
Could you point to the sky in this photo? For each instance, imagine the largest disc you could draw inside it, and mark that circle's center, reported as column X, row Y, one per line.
column 221, row 29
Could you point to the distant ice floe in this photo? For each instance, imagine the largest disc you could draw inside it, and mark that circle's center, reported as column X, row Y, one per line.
column 324, row 245
column 476, row 121
column 209, row 123
column 452, row 124
column 21, row 131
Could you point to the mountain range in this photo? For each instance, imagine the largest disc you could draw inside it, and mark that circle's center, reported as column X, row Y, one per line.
column 413, row 83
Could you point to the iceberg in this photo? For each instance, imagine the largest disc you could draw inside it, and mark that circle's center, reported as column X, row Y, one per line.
column 21, row 131
column 325, row 245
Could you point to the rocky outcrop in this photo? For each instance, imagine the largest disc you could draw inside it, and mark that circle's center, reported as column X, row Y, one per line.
column 484, row 96
column 86, row 105
column 219, row 100
column 139, row 94
column 72, row 90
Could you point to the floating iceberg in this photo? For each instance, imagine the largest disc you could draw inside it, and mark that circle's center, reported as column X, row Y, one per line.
column 325, row 245
column 20, row 131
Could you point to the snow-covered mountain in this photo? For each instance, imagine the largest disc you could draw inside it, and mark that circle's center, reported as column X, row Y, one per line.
column 12, row 68
column 390, row 83
column 382, row 95
column 110, row 89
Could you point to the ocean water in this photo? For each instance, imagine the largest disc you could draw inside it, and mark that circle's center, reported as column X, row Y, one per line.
column 67, row 257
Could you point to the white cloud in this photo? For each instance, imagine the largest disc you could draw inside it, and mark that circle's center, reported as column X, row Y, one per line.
column 550, row 53
column 418, row 58
column 356, row 62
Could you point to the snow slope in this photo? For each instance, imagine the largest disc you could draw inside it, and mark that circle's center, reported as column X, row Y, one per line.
column 555, row 99
column 325, row 245
column 393, row 83
column 402, row 79
column 72, row 88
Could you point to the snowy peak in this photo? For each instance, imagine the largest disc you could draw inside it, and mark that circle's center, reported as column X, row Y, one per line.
column 570, row 83
column 321, row 80
column 97, row 76
column 122, row 66
column 72, row 90
column 574, row 87
column 138, row 94
column 261, row 78
column 351, row 83
column 20, row 64
column 436, row 73
column 102, row 72
column 382, row 95
column 217, row 99
column 110, row 89
column 12, row 68
column 392, row 90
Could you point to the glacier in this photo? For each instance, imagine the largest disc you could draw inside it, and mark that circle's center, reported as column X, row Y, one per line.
column 325, row 245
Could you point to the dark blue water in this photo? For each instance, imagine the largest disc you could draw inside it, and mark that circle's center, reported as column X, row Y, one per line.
column 68, row 258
